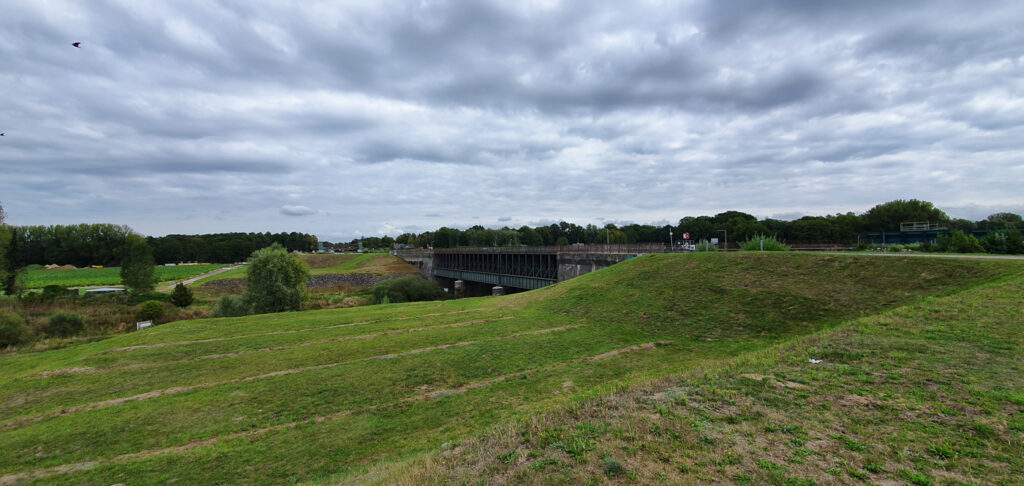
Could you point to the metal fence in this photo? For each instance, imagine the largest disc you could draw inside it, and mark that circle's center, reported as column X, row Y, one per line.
column 632, row 249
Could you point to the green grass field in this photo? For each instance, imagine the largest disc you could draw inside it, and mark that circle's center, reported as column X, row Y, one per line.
column 365, row 394
column 375, row 263
column 37, row 278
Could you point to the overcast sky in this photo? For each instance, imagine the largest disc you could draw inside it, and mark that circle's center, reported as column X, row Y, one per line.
column 355, row 118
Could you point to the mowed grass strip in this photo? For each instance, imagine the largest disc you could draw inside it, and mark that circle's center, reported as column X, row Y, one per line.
column 98, row 388
column 290, row 395
column 543, row 376
column 710, row 307
column 249, row 331
column 241, row 327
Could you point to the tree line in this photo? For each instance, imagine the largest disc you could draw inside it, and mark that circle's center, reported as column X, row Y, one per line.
column 117, row 245
column 224, row 247
column 737, row 226
column 107, row 244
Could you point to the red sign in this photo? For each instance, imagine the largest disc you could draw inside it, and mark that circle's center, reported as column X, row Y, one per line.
column 686, row 236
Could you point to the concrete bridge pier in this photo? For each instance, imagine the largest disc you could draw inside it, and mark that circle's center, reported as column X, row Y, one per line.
column 497, row 290
column 460, row 289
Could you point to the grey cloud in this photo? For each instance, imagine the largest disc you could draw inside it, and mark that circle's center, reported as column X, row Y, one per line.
column 297, row 210
column 575, row 110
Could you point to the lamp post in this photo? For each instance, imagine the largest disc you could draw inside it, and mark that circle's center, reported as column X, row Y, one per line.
column 726, row 238
column 671, row 246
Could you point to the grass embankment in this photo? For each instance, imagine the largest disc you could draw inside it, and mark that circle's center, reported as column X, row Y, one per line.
column 330, row 394
column 38, row 277
column 930, row 393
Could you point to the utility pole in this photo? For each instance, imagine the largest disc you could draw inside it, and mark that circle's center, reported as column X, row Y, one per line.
column 670, row 243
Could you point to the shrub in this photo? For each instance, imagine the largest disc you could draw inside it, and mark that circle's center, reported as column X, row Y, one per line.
column 145, row 297
column 705, row 245
column 65, row 324
column 13, row 330
column 1004, row 242
column 959, row 242
column 51, row 292
column 407, row 289
column 181, row 296
column 231, row 306
column 149, row 310
column 764, row 242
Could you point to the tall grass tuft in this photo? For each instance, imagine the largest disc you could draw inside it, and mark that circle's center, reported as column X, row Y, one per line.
column 764, row 243
column 705, row 245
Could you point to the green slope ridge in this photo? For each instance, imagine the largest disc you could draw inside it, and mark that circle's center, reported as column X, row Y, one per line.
column 285, row 397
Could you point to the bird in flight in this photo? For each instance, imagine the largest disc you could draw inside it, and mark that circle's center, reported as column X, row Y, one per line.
column 77, row 44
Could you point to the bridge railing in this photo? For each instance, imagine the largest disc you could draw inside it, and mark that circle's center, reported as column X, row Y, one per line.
column 636, row 248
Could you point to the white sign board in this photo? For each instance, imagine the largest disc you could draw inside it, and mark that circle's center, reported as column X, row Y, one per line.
column 714, row 241
column 143, row 325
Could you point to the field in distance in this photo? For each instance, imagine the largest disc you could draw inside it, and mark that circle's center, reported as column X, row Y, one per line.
column 38, row 277
column 379, row 264
column 339, row 395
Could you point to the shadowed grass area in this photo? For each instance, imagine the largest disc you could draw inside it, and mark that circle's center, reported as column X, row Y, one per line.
column 307, row 395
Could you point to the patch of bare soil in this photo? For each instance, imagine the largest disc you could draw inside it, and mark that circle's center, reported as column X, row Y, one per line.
column 66, row 371
column 641, row 347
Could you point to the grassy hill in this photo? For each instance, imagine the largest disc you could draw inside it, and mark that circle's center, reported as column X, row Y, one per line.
column 336, row 394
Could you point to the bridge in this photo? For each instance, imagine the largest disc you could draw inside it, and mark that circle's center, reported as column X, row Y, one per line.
column 519, row 267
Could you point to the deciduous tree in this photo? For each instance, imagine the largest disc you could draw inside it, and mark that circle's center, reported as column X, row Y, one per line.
column 275, row 281
column 138, row 271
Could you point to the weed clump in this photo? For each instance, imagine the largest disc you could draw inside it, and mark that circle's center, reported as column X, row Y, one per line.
column 611, row 467
column 231, row 306
column 65, row 324
column 13, row 330
column 764, row 243
column 149, row 310
column 705, row 245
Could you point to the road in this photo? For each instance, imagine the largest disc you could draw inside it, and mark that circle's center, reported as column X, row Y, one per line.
column 197, row 277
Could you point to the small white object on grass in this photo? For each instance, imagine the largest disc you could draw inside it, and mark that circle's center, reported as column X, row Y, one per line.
column 814, row 361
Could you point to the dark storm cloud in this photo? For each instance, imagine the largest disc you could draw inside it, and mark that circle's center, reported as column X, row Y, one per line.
column 378, row 113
